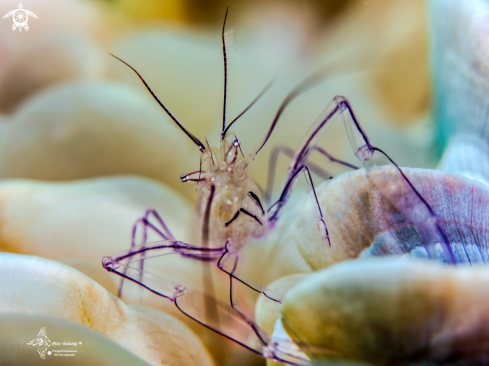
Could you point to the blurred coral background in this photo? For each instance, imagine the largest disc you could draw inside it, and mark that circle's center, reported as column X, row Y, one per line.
column 380, row 45
column 71, row 112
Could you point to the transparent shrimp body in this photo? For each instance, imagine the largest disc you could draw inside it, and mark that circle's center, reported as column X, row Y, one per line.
column 236, row 213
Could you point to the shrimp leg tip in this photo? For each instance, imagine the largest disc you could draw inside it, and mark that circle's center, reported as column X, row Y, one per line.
column 107, row 263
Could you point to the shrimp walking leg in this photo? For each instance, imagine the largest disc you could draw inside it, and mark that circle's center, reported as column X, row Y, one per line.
column 233, row 291
column 395, row 186
column 229, row 263
column 275, row 210
column 233, row 297
column 145, row 224
column 287, row 151
column 120, row 263
column 227, row 319
column 162, row 230
column 405, row 197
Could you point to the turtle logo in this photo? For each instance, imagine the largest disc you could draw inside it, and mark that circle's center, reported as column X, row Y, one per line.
column 20, row 16
column 41, row 342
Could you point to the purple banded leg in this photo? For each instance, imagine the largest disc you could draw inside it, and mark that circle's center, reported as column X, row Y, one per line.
column 146, row 224
column 233, row 297
column 120, row 263
column 394, row 186
column 389, row 179
column 163, row 231
column 334, row 160
column 275, row 210
column 227, row 320
column 279, row 350
column 287, row 151
column 391, row 182
column 160, row 228
column 224, row 319
column 229, row 263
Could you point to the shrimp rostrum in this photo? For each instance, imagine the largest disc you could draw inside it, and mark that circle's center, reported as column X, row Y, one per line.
column 233, row 212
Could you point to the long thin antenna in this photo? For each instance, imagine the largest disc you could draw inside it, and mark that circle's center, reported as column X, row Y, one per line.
column 310, row 81
column 225, row 57
column 192, row 137
column 223, row 134
column 300, row 88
